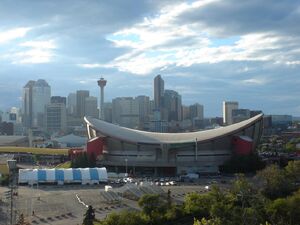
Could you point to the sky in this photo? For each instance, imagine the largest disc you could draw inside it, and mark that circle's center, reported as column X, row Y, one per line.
column 207, row 50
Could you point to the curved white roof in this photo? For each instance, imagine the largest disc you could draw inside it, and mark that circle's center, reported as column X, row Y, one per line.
column 137, row 136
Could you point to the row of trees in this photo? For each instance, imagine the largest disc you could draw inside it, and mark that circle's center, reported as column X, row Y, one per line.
column 265, row 200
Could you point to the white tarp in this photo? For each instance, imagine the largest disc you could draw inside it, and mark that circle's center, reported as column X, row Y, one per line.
column 50, row 175
column 32, row 176
column 102, row 174
column 68, row 175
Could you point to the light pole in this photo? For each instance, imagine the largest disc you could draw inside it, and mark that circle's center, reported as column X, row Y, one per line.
column 126, row 166
column 196, row 149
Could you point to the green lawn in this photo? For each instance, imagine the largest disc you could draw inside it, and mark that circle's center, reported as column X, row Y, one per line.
column 37, row 151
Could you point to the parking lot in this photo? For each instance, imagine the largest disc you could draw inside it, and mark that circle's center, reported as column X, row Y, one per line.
column 46, row 204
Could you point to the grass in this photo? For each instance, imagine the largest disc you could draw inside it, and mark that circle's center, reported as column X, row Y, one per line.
column 64, row 165
column 36, row 151
column 4, row 169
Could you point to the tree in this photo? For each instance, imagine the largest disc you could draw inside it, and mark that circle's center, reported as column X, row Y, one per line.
column 125, row 217
column 198, row 205
column 89, row 216
column 285, row 211
column 274, row 183
column 153, row 206
column 204, row 221
column 22, row 220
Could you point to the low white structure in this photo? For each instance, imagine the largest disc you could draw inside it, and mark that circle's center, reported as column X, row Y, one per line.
column 61, row 176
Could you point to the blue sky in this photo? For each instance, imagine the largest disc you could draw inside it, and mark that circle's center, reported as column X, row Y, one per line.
column 207, row 50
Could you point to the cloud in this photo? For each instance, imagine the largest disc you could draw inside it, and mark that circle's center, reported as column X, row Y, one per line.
column 33, row 52
column 12, row 34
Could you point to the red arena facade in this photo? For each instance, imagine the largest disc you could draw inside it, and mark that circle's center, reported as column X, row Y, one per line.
column 121, row 149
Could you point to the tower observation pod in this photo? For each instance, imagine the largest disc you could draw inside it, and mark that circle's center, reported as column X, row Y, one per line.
column 101, row 84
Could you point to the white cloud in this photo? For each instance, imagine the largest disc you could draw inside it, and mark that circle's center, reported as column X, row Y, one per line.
column 12, row 34
column 157, row 42
column 34, row 52
column 255, row 81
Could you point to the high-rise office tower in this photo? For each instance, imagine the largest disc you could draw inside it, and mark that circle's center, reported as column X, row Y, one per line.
column 172, row 105
column 59, row 99
column 55, row 117
column 107, row 108
column 91, row 107
column 36, row 95
column 71, row 108
column 227, row 111
column 144, row 109
column 27, row 104
column 196, row 111
column 101, row 84
column 125, row 112
column 159, row 87
column 81, row 95
column 239, row 115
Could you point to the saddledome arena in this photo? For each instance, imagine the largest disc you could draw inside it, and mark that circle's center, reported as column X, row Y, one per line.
column 121, row 149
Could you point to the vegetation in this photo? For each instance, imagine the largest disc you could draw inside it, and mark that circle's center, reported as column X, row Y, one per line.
column 89, row 216
column 270, row 199
column 4, row 180
column 243, row 164
column 64, row 165
column 37, row 151
column 83, row 161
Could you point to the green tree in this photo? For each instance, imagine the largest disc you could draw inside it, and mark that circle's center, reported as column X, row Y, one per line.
column 125, row 217
column 153, row 206
column 274, row 183
column 89, row 216
column 285, row 211
column 198, row 205
column 204, row 221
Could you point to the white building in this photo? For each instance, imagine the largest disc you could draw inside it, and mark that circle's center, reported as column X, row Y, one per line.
column 227, row 111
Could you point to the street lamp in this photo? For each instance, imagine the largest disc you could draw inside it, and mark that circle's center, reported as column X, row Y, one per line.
column 126, row 166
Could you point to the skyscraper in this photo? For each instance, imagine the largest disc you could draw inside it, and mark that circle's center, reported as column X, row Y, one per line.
column 172, row 105
column 125, row 112
column 81, row 95
column 196, row 111
column 159, row 87
column 227, row 111
column 41, row 94
column 27, row 104
column 36, row 95
column 55, row 117
column 71, row 108
column 91, row 107
column 144, row 109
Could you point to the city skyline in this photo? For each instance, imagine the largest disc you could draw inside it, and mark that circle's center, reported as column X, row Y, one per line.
column 252, row 57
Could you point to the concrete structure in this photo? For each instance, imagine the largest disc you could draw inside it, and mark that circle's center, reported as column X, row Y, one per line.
column 227, row 111
column 170, row 153
column 101, row 84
